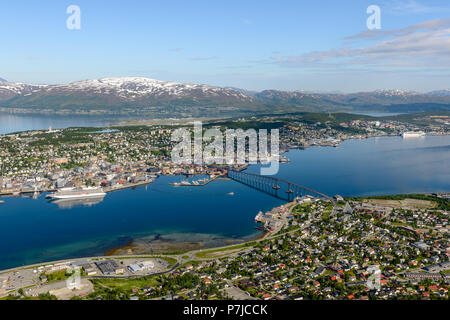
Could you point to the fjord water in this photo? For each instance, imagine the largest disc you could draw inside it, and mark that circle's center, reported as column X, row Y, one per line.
column 375, row 166
column 16, row 122
column 10, row 122
column 34, row 230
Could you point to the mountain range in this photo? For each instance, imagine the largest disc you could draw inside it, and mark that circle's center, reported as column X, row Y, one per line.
column 143, row 96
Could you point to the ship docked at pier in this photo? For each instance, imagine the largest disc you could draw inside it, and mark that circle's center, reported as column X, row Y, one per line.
column 77, row 193
column 413, row 134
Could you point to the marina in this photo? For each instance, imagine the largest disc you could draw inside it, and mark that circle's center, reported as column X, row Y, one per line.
column 197, row 183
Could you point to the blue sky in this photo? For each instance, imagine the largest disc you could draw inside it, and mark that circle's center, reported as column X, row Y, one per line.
column 289, row 45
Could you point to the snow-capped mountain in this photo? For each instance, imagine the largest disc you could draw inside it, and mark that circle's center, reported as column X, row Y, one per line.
column 116, row 92
column 10, row 90
column 385, row 97
column 285, row 95
column 308, row 101
column 128, row 95
column 378, row 97
column 130, row 88
column 244, row 91
column 394, row 93
column 445, row 92
column 135, row 95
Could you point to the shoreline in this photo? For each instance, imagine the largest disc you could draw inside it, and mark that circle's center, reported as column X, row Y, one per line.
column 115, row 250
column 16, row 193
column 258, row 237
column 114, row 253
column 284, row 150
column 169, row 244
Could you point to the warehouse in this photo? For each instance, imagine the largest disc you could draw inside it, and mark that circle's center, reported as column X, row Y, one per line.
column 108, row 267
column 141, row 266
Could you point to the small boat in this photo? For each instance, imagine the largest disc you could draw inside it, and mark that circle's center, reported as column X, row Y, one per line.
column 276, row 187
column 283, row 159
column 230, row 194
column 2, row 202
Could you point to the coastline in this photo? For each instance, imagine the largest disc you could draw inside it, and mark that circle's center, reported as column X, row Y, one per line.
column 175, row 248
column 117, row 252
column 117, row 255
column 172, row 243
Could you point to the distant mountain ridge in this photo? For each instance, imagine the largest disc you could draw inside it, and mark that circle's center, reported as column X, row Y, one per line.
column 136, row 95
column 445, row 92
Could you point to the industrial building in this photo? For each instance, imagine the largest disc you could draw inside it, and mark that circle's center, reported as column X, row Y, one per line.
column 109, row 267
column 141, row 266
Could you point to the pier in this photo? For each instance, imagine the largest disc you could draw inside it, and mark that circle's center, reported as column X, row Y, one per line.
column 18, row 192
column 193, row 184
column 127, row 185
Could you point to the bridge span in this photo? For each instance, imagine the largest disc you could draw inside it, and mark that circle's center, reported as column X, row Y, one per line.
column 276, row 187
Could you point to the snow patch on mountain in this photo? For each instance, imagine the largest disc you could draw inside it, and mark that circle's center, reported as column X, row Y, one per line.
column 10, row 90
column 395, row 93
column 445, row 92
column 132, row 88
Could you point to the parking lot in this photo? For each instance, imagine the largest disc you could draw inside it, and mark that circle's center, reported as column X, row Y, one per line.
column 33, row 280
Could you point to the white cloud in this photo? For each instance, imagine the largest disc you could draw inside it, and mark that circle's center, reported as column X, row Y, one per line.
column 412, row 7
column 422, row 45
column 204, row 58
column 436, row 24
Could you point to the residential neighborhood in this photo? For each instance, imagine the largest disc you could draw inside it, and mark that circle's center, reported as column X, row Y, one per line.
column 352, row 249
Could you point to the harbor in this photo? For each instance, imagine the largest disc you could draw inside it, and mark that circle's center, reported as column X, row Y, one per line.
column 88, row 228
column 18, row 193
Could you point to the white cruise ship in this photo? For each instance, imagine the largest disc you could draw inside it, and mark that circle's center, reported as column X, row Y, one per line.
column 77, row 193
column 412, row 134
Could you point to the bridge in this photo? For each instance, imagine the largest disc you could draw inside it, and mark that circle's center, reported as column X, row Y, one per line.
column 276, row 187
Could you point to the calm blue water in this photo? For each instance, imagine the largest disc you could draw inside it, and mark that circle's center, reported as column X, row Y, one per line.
column 375, row 166
column 22, row 122
column 33, row 231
